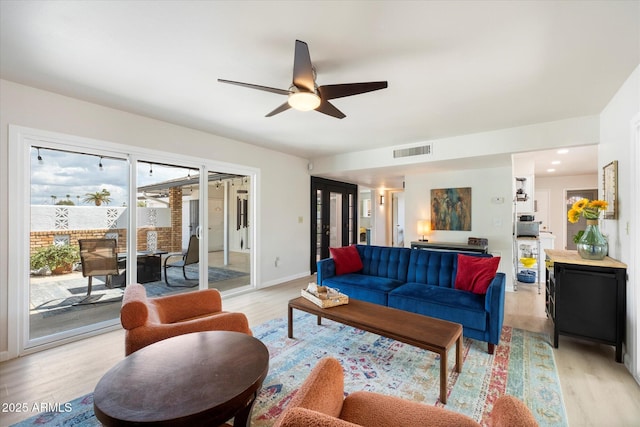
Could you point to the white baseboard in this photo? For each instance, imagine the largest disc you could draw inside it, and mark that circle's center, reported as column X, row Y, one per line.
column 282, row 280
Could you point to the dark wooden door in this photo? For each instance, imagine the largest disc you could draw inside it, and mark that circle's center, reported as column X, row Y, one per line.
column 333, row 217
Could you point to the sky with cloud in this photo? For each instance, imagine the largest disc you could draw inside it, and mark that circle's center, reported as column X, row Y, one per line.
column 73, row 175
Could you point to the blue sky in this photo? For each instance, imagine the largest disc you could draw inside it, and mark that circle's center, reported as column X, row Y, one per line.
column 63, row 173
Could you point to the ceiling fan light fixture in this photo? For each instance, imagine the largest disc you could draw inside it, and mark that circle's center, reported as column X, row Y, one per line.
column 304, row 101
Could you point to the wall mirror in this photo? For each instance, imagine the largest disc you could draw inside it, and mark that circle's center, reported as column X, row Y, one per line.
column 610, row 189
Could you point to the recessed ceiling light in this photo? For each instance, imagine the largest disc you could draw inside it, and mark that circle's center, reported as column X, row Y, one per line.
column 551, row 170
column 563, row 151
column 556, row 162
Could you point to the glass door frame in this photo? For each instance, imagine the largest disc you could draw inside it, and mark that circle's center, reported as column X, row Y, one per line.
column 21, row 139
column 349, row 216
column 20, row 142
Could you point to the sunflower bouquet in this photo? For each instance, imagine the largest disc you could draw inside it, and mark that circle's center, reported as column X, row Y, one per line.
column 588, row 209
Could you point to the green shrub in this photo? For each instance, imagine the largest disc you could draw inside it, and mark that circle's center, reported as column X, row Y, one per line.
column 55, row 256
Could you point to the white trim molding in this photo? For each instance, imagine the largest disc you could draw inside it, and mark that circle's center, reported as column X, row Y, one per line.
column 19, row 223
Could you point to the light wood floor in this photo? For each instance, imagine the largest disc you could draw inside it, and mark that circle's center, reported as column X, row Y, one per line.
column 597, row 390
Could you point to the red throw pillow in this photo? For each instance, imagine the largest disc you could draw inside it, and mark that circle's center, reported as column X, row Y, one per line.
column 476, row 273
column 347, row 259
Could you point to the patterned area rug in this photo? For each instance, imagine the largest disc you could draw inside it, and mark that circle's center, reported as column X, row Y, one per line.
column 523, row 365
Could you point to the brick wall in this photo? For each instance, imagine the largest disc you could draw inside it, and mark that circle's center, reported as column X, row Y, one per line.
column 169, row 238
column 164, row 239
column 41, row 239
column 175, row 204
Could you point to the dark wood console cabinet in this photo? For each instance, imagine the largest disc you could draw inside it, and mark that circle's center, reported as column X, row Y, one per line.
column 447, row 246
column 586, row 299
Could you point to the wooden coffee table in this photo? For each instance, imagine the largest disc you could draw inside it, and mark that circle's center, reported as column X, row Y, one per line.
column 203, row 378
column 421, row 331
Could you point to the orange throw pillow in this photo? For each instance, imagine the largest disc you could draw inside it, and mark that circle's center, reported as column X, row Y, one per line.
column 475, row 273
column 347, row 259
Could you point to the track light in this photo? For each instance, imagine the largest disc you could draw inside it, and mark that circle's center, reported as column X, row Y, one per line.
column 100, row 164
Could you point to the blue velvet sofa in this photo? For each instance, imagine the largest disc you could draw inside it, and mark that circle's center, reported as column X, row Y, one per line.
column 421, row 281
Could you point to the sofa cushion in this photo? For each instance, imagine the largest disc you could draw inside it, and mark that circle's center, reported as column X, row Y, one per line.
column 360, row 286
column 383, row 261
column 435, row 268
column 475, row 273
column 347, row 259
column 449, row 304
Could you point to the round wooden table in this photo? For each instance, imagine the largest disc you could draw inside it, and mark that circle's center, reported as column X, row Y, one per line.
column 202, row 378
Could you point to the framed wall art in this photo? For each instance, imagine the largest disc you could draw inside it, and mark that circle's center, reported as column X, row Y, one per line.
column 451, row 209
column 610, row 189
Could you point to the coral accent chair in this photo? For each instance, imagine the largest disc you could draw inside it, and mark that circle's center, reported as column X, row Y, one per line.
column 320, row 402
column 148, row 320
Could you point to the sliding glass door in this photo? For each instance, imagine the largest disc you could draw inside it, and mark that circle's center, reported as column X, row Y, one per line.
column 76, row 199
column 230, row 230
column 168, row 228
column 77, row 244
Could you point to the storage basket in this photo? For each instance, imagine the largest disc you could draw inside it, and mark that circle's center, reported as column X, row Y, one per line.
column 527, row 276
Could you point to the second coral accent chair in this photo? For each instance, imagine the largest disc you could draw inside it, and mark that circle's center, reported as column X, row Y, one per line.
column 320, row 402
column 148, row 320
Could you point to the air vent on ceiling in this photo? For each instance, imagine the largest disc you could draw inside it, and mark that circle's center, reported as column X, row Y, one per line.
column 413, row 151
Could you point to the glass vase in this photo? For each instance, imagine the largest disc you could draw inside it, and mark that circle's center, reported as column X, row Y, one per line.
column 592, row 244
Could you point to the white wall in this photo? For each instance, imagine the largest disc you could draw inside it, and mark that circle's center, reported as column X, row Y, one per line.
column 615, row 144
column 488, row 220
column 475, row 147
column 557, row 187
column 283, row 193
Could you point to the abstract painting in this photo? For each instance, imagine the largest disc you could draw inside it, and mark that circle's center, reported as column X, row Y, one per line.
column 451, row 209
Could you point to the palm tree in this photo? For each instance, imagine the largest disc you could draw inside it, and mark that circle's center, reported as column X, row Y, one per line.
column 98, row 198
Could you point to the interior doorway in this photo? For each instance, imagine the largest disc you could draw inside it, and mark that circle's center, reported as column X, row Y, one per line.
column 397, row 219
column 334, row 206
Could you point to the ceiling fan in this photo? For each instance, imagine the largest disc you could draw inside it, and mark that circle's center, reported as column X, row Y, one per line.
column 304, row 94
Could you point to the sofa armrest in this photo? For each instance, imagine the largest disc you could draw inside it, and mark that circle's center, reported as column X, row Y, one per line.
column 302, row 417
column 494, row 305
column 508, row 411
column 323, row 390
column 134, row 311
column 373, row 409
column 326, row 269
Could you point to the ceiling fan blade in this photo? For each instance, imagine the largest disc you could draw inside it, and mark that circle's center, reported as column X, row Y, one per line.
column 280, row 109
column 252, row 86
column 302, row 68
column 329, row 109
column 348, row 89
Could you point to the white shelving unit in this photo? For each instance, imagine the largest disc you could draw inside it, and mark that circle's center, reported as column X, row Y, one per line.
column 527, row 247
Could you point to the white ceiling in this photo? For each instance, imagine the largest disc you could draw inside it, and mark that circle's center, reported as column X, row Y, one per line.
column 453, row 67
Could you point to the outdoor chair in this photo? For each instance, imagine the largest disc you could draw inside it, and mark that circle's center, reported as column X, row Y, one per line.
column 99, row 257
column 149, row 320
column 191, row 256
